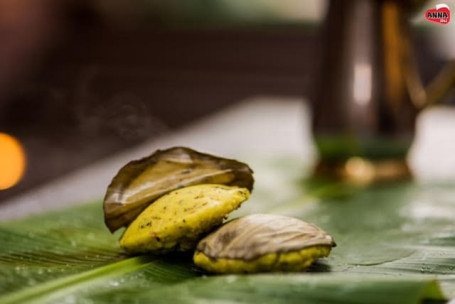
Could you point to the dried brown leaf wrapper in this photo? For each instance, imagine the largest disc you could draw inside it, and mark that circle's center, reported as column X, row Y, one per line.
column 141, row 182
column 256, row 235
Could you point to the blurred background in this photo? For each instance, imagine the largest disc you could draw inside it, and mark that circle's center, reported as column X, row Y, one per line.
column 81, row 80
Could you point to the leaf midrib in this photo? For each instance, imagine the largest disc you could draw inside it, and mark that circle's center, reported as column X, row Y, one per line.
column 52, row 288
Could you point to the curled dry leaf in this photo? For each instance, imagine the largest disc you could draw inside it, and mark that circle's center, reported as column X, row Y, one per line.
column 263, row 242
column 141, row 182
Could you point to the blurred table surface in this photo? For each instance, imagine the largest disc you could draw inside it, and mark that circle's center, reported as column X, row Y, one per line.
column 256, row 129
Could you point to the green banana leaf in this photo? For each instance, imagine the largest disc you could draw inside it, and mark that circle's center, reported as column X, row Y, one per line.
column 396, row 244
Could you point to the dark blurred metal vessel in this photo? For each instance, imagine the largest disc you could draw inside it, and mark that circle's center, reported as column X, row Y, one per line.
column 369, row 92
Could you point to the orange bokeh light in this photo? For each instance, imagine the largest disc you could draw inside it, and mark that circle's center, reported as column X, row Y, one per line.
column 12, row 161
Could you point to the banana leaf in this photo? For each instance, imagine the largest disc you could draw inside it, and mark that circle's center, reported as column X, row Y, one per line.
column 396, row 244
